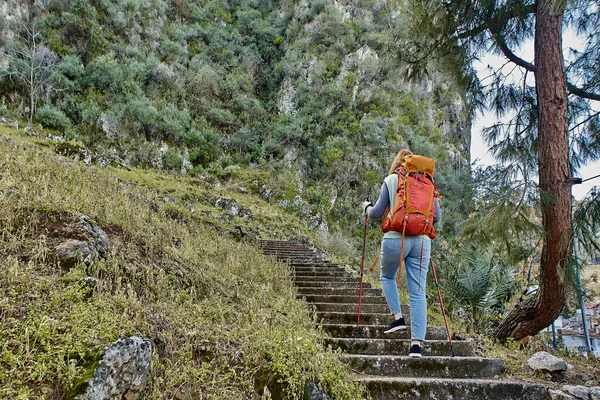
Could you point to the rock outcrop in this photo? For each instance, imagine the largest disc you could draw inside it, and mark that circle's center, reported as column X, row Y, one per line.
column 122, row 372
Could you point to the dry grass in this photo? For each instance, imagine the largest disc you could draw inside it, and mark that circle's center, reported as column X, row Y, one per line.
column 224, row 321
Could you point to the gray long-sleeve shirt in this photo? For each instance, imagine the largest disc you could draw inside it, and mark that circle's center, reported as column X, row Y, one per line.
column 385, row 200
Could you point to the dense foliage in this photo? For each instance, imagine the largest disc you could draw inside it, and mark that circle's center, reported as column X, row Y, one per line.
column 313, row 87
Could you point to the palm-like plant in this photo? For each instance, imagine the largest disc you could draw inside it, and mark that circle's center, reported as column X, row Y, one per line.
column 478, row 284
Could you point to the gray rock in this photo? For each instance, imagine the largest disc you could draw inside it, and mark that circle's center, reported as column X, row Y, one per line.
column 122, row 372
column 55, row 138
column 314, row 392
column 245, row 213
column 543, row 360
column 10, row 191
column 98, row 238
column 579, row 392
column 266, row 194
column 73, row 251
column 559, row 395
column 103, row 162
column 595, row 393
column 228, row 205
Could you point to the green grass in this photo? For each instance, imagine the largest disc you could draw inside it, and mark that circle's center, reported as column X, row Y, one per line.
column 224, row 321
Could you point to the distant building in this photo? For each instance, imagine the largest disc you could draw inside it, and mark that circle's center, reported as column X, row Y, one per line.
column 571, row 329
column 575, row 340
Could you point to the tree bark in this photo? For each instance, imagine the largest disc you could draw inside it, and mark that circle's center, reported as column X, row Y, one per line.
column 533, row 315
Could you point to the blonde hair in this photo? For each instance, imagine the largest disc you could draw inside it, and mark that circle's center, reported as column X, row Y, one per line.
column 399, row 159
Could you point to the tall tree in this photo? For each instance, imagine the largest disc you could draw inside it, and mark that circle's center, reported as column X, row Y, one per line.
column 553, row 120
column 554, row 172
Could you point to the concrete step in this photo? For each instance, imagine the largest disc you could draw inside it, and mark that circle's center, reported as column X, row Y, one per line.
column 330, row 280
column 323, row 273
column 400, row 347
column 318, row 268
column 322, row 298
column 327, row 284
column 426, row 367
column 353, row 308
column 349, row 293
column 295, row 263
column 351, row 317
column 376, row 331
column 385, row 388
column 292, row 255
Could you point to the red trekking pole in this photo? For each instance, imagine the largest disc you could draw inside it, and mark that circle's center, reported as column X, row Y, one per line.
column 362, row 270
column 442, row 306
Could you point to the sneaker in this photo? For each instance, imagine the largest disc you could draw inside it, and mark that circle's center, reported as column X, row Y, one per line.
column 415, row 351
column 396, row 326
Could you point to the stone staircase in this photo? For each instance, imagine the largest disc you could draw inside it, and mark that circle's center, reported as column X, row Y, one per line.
column 381, row 361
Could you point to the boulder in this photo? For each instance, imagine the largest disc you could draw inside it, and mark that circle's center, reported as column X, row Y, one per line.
column 74, row 251
column 543, row 360
column 122, row 371
column 97, row 237
column 93, row 247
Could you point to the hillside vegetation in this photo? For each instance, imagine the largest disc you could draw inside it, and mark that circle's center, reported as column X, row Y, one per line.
column 225, row 321
column 314, row 88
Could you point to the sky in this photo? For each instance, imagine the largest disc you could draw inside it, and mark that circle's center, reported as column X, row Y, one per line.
column 479, row 149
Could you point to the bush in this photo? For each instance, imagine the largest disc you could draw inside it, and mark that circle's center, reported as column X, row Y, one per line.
column 52, row 118
column 172, row 159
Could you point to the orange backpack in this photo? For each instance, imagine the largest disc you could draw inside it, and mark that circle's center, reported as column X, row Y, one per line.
column 414, row 209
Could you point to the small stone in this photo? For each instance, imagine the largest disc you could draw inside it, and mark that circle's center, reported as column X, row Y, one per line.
column 545, row 361
column 245, row 213
column 579, row 392
column 559, row 395
column 229, row 205
column 314, row 392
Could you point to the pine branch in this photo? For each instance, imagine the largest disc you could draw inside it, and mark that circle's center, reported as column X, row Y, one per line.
column 499, row 39
column 582, row 93
column 500, row 19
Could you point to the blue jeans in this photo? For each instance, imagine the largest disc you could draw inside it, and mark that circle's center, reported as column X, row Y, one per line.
column 417, row 251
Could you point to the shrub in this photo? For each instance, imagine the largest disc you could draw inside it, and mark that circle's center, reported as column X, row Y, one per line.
column 172, row 159
column 52, row 118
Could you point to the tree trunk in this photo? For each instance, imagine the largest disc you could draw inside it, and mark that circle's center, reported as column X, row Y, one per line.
column 531, row 316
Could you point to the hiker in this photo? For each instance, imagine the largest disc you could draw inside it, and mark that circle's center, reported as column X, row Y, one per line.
column 416, row 255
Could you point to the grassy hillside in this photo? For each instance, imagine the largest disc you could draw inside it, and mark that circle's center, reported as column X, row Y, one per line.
column 225, row 321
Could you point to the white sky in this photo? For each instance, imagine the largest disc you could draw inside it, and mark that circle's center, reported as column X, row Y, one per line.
column 479, row 150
